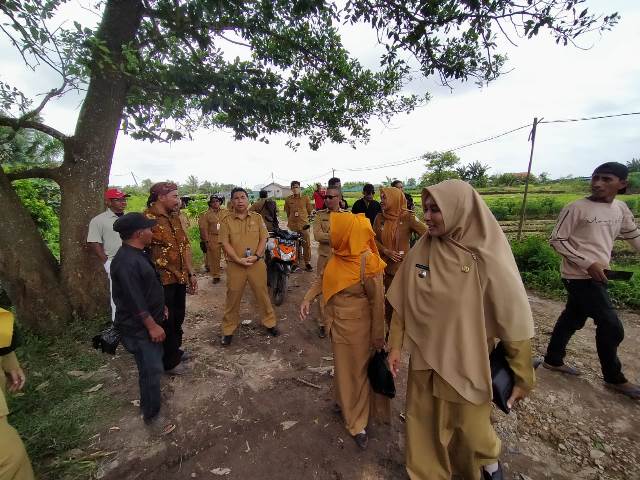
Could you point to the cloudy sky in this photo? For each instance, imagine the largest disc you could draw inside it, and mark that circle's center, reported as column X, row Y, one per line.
column 545, row 80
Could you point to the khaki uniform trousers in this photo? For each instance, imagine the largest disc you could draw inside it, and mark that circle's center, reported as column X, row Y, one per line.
column 14, row 461
column 214, row 254
column 320, row 264
column 305, row 243
column 446, row 437
column 237, row 278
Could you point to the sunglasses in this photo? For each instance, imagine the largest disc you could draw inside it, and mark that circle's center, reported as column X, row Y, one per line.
column 330, row 197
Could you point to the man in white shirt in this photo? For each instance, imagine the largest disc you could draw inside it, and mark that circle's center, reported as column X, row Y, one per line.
column 584, row 236
column 102, row 239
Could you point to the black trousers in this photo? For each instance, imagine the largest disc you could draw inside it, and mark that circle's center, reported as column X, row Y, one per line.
column 148, row 357
column 175, row 297
column 588, row 298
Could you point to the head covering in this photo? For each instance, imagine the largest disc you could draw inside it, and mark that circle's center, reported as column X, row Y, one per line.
column 114, row 193
column 395, row 204
column 212, row 198
column 614, row 168
column 472, row 292
column 162, row 188
column 351, row 236
column 133, row 221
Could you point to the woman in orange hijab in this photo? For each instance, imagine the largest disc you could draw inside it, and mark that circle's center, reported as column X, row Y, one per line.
column 352, row 288
column 393, row 229
column 457, row 293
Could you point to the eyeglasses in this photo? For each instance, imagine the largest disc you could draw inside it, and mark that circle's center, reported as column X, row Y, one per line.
column 330, row 197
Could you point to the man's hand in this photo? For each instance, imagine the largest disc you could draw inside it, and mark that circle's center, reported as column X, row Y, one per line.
column 394, row 362
column 15, row 380
column 193, row 285
column 378, row 343
column 596, row 271
column 517, row 394
column 305, row 308
column 156, row 332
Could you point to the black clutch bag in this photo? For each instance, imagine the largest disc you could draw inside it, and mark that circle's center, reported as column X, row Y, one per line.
column 380, row 376
column 107, row 340
column 203, row 246
column 502, row 378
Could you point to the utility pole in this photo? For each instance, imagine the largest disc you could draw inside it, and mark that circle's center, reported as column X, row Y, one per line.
column 532, row 138
column 134, row 179
column 334, row 172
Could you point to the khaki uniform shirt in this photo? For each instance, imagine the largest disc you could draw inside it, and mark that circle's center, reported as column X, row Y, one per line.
column 169, row 247
column 8, row 362
column 243, row 233
column 298, row 210
column 101, row 231
column 321, row 231
column 209, row 224
column 407, row 224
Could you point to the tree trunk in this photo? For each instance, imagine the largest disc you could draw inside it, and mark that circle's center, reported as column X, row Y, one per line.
column 28, row 270
column 85, row 171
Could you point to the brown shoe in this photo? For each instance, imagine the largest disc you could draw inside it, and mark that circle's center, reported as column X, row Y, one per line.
column 629, row 389
column 566, row 369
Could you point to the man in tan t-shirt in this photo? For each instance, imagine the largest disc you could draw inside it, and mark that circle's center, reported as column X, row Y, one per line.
column 584, row 236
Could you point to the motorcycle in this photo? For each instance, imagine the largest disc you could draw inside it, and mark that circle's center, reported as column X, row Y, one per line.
column 281, row 256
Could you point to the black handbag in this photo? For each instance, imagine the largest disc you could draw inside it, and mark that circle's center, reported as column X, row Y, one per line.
column 380, row 376
column 203, row 246
column 502, row 377
column 107, row 340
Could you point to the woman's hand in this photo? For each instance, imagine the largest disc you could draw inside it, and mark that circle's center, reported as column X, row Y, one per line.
column 518, row 394
column 16, row 379
column 393, row 255
column 305, row 308
column 394, row 361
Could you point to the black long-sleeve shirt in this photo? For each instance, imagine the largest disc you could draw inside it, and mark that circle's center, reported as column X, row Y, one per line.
column 137, row 291
column 370, row 211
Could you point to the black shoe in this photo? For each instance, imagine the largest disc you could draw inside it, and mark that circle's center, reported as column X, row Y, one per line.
column 322, row 332
column 273, row 331
column 309, row 267
column 362, row 440
column 294, row 268
column 497, row 475
column 226, row 340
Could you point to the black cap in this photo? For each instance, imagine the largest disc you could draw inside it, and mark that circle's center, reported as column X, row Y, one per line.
column 130, row 222
column 613, row 168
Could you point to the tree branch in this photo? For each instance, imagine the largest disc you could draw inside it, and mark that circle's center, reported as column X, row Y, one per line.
column 36, row 172
column 17, row 124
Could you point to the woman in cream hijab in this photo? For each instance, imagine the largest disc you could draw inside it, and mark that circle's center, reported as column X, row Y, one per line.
column 456, row 293
column 351, row 287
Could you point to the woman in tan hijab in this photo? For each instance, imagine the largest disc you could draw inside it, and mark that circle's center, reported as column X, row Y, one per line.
column 457, row 292
column 393, row 229
column 352, row 289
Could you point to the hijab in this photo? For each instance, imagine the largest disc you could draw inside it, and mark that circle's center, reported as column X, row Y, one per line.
column 6, row 331
column 351, row 237
column 395, row 204
column 472, row 292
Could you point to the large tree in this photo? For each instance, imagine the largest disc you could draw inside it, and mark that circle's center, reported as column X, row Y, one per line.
column 156, row 70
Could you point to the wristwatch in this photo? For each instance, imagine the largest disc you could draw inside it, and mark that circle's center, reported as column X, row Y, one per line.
column 259, row 256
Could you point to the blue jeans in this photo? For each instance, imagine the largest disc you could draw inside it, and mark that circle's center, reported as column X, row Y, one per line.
column 148, row 357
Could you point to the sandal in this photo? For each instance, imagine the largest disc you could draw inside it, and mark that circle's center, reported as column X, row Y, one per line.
column 566, row 369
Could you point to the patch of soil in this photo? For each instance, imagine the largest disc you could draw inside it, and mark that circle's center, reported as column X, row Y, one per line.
column 263, row 408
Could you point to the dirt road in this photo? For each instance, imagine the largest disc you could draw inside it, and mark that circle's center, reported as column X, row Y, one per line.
column 245, row 413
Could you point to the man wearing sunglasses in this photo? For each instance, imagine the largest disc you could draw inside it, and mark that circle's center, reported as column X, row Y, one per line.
column 321, row 234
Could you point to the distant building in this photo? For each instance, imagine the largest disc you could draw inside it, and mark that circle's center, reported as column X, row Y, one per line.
column 276, row 190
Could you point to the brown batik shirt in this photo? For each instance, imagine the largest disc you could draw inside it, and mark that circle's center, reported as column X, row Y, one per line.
column 169, row 247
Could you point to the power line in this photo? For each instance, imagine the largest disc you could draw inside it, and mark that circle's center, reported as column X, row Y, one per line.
column 584, row 119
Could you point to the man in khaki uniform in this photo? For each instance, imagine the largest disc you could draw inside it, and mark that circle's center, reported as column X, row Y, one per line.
column 244, row 236
column 298, row 208
column 321, row 235
column 209, row 224
column 268, row 209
